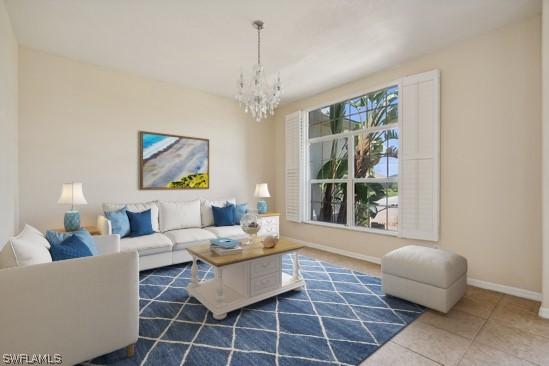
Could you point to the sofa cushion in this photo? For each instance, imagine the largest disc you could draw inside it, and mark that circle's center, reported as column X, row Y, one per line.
column 234, row 232
column 56, row 237
column 240, row 210
column 29, row 247
column 206, row 213
column 223, row 216
column 137, row 207
column 179, row 215
column 147, row 245
column 119, row 221
column 184, row 237
column 70, row 248
column 140, row 223
column 435, row 267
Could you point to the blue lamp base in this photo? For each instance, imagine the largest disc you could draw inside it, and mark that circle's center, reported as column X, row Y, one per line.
column 262, row 207
column 72, row 220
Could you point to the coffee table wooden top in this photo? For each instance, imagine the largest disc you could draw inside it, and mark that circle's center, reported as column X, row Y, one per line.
column 203, row 252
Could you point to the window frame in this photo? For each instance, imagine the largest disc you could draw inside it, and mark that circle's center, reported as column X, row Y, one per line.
column 351, row 180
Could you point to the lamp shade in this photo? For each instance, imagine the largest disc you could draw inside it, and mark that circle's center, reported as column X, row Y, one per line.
column 72, row 194
column 262, row 190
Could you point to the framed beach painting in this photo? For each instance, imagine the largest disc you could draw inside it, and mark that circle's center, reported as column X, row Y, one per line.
column 173, row 162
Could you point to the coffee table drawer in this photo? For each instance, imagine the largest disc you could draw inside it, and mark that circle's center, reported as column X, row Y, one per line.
column 265, row 283
column 266, row 265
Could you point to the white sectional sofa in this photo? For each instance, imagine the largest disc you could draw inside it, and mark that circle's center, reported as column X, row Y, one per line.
column 79, row 308
column 177, row 225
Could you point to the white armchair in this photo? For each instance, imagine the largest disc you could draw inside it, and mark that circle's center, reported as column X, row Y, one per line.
column 80, row 308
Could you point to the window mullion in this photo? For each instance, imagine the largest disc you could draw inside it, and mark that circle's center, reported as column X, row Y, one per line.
column 321, row 181
column 377, row 180
column 352, row 133
column 350, row 182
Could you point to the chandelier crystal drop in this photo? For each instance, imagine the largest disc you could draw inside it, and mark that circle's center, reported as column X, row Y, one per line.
column 256, row 95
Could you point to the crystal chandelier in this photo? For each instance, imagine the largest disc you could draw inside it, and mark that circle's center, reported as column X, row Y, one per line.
column 256, row 95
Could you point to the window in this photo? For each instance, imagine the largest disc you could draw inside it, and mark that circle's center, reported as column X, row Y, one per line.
column 353, row 165
column 369, row 163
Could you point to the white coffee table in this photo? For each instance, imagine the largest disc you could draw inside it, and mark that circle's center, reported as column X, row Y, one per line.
column 245, row 278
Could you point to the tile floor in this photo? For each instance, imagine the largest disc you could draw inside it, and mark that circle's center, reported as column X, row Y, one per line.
column 485, row 328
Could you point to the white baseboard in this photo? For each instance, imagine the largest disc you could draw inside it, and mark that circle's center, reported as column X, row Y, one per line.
column 515, row 291
column 519, row 292
column 343, row 252
column 544, row 313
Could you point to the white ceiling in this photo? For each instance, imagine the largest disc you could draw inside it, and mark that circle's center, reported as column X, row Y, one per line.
column 315, row 44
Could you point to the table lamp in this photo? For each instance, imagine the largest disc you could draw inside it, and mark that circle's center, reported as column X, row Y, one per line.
column 262, row 191
column 72, row 194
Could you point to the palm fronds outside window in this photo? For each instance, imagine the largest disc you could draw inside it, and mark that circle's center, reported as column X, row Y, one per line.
column 353, row 161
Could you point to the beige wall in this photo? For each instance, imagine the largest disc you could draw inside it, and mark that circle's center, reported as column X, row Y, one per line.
column 544, row 310
column 8, row 127
column 80, row 122
column 490, row 156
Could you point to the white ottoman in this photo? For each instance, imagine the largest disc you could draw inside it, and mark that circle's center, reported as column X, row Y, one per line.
column 434, row 278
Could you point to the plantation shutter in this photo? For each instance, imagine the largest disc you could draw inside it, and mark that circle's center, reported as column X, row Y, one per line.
column 419, row 180
column 294, row 170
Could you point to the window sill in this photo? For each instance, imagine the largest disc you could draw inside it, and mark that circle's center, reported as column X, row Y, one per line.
column 353, row 228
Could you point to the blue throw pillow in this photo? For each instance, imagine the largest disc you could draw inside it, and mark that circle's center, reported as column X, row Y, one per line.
column 240, row 210
column 223, row 216
column 140, row 223
column 55, row 237
column 71, row 247
column 119, row 221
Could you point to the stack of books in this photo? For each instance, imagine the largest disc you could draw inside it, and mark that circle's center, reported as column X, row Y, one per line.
column 225, row 246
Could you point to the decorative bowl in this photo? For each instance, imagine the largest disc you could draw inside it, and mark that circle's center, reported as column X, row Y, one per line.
column 250, row 225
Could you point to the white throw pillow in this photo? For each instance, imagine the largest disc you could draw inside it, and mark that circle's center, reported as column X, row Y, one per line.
column 137, row 207
column 29, row 247
column 206, row 212
column 179, row 215
column 7, row 256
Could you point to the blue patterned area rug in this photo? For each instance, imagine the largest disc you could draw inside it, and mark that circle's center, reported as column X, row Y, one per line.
column 340, row 318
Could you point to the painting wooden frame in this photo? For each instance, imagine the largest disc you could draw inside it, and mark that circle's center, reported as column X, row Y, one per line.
column 162, row 168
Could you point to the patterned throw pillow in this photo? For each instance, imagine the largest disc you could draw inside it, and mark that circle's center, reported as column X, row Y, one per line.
column 55, row 237
column 71, row 247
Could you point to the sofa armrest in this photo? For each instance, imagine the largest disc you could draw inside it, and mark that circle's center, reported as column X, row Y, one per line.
column 104, row 225
column 107, row 244
column 79, row 308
